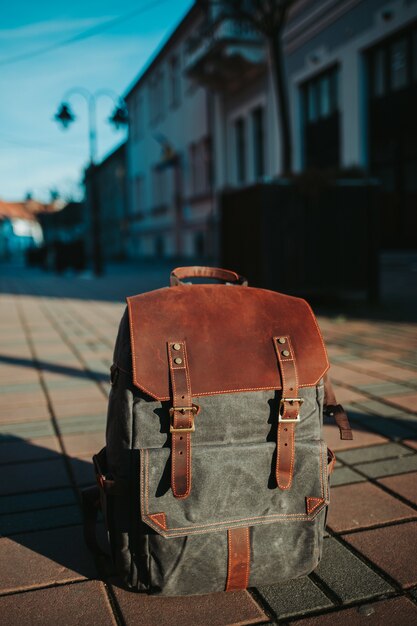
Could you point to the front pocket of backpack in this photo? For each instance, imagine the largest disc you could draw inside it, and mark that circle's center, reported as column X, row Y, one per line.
column 232, row 486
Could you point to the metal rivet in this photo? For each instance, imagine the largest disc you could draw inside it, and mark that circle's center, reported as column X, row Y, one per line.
column 285, row 353
column 281, row 340
column 176, row 346
column 178, row 361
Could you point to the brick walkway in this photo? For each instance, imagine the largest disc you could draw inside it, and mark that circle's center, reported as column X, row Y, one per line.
column 56, row 339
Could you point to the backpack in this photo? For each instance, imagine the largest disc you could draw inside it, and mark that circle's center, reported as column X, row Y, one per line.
column 215, row 475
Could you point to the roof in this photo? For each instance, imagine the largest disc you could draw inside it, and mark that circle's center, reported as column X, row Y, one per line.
column 26, row 210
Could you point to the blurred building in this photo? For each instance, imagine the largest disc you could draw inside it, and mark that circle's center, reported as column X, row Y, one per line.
column 64, row 225
column 203, row 116
column 19, row 227
column 111, row 190
column 111, row 175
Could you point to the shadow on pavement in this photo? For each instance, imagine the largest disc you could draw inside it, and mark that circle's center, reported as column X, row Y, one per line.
column 55, row 368
column 40, row 515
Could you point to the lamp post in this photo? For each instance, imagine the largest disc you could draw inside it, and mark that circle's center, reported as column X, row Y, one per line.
column 119, row 117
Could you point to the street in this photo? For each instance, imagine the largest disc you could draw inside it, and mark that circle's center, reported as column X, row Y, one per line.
column 57, row 335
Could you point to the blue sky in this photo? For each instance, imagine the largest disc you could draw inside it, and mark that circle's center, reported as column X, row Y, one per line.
column 35, row 154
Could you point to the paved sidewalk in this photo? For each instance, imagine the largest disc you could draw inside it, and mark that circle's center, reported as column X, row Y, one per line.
column 56, row 337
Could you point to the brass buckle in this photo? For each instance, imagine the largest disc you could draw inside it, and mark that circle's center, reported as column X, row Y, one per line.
column 291, row 401
column 183, row 409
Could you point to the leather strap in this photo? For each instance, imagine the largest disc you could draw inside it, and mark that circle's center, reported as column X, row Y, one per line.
column 288, row 412
column 179, row 273
column 182, row 415
column 238, row 559
column 335, row 410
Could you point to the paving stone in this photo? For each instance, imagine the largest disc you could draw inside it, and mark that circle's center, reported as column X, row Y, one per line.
column 389, row 467
column 345, row 476
column 26, row 477
column 380, row 408
column 395, row 428
column 19, row 450
column 405, row 401
column 412, row 443
column 9, row 432
column 84, row 444
column 83, row 470
column 83, row 424
column 14, row 523
column 18, row 388
column 43, row 558
column 361, row 438
column 374, row 453
column 36, row 500
column 404, row 484
column 392, row 548
column 361, row 581
column 386, row 389
column 217, row 609
column 361, row 505
column 393, row 612
column 294, row 597
column 85, row 603
column 10, row 415
column 73, row 409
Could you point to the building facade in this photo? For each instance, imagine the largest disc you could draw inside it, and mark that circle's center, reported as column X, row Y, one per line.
column 112, row 198
column 203, row 117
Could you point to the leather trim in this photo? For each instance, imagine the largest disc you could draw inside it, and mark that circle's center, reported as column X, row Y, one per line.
column 182, row 418
column 228, row 330
column 289, row 410
column 238, row 558
column 313, row 504
column 160, row 519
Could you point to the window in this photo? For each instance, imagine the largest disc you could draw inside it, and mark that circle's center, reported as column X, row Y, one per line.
column 379, row 76
column 174, row 81
column 258, row 142
column 240, row 146
column 392, row 64
column 139, row 193
column 320, row 116
column 398, row 64
column 200, row 166
column 321, row 95
column 159, row 188
column 156, row 96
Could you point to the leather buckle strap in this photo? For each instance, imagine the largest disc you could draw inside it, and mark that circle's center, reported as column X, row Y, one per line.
column 288, row 413
column 182, row 415
column 183, row 409
column 282, row 403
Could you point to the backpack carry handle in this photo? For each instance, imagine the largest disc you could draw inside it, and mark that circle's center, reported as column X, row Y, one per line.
column 179, row 273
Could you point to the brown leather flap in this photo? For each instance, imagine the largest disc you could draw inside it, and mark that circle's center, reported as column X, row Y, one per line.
column 229, row 334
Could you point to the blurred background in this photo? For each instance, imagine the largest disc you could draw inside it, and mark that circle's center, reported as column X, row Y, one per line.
column 278, row 138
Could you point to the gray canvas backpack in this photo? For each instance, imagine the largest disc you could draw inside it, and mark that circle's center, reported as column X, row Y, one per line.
column 215, row 475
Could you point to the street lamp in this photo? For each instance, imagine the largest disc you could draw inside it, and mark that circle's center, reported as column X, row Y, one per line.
column 119, row 117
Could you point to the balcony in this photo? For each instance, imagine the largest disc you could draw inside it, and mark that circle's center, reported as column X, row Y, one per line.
column 225, row 55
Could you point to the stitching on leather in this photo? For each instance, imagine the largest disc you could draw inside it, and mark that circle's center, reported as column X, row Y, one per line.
column 155, row 517
column 321, row 471
column 290, row 427
column 223, row 391
column 229, row 564
column 247, row 557
column 147, row 479
column 302, row 517
column 187, row 435
column 318, row 502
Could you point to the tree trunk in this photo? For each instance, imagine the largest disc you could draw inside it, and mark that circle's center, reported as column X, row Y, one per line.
column 278, row 74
